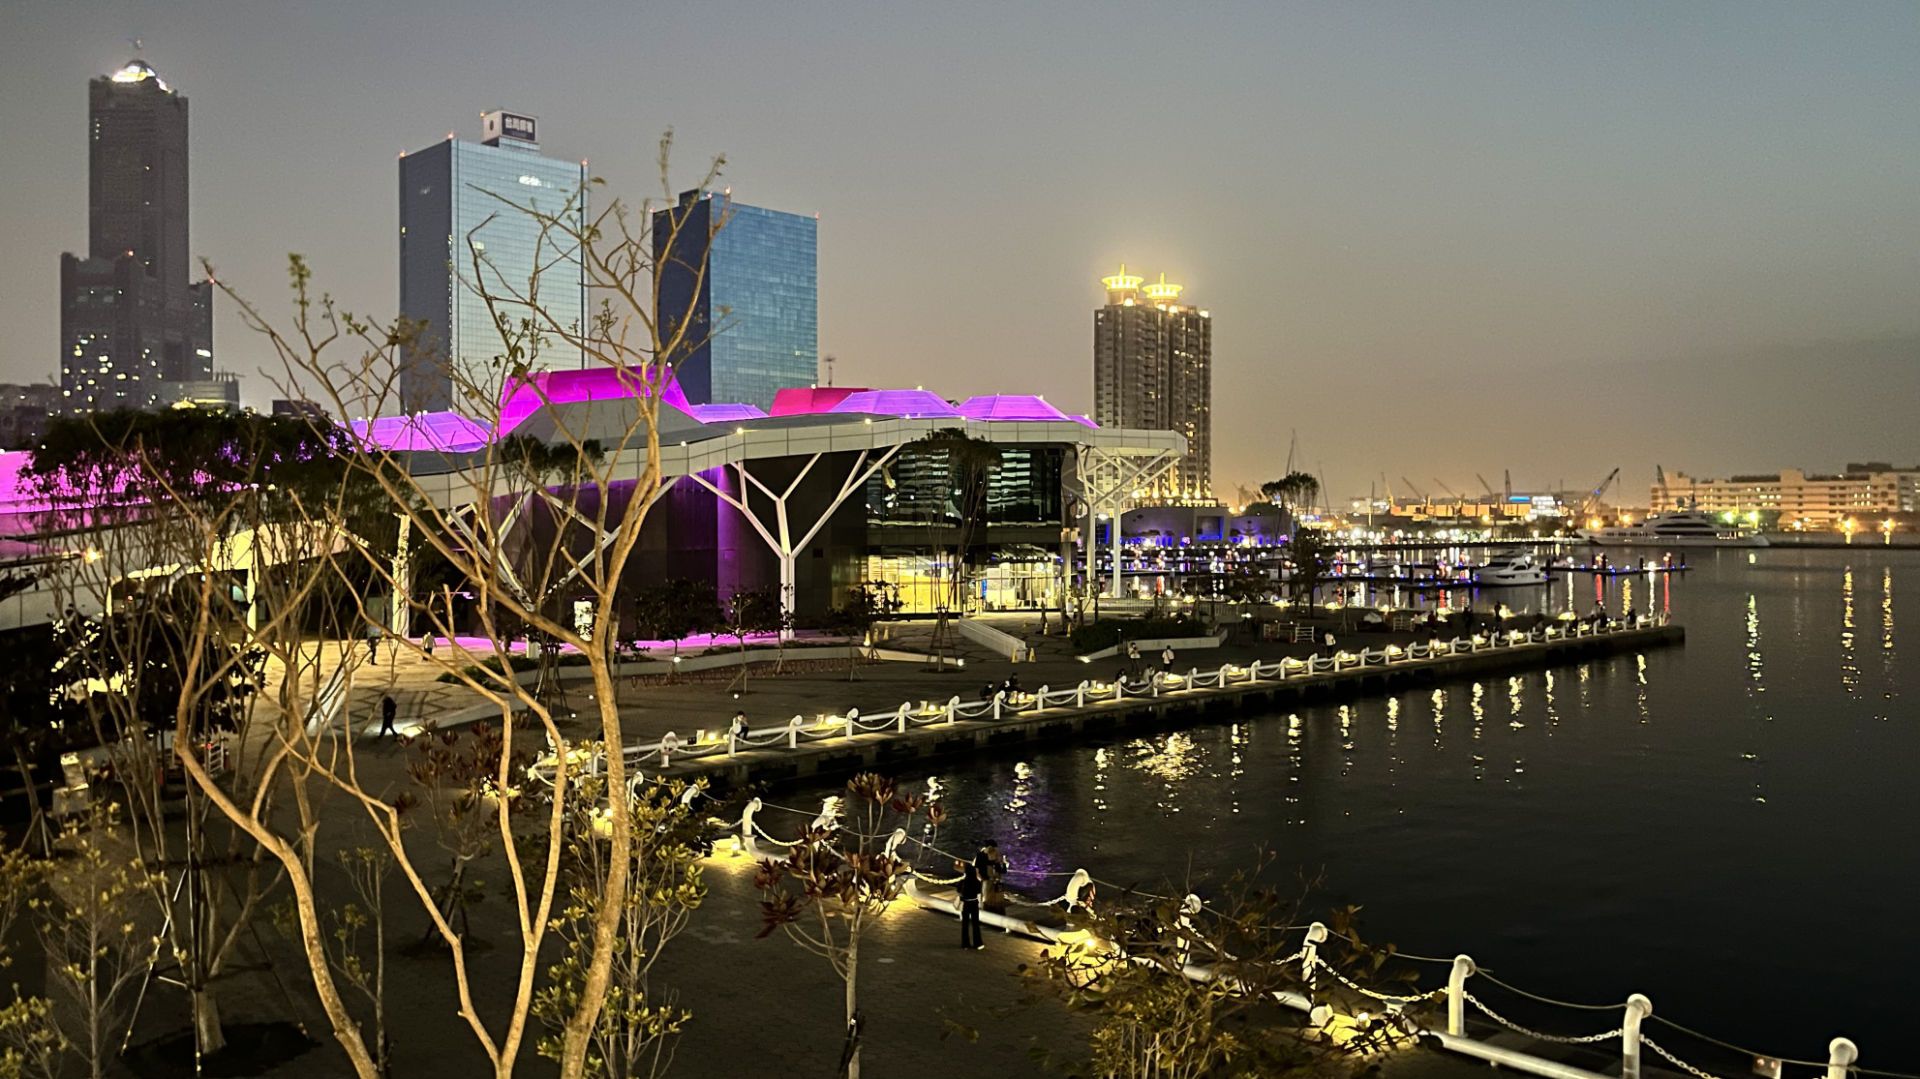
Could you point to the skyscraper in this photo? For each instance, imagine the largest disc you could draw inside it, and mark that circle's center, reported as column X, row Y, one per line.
column 129, row 317
column 1153, row 368
column 739, row 298
column 465, row 228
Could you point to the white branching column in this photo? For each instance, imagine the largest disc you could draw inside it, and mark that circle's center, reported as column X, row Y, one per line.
column 399, row 608
column 779, row 537
column 1108, row 482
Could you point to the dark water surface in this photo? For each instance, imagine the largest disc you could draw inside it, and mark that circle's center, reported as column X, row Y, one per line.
column 1730, row 827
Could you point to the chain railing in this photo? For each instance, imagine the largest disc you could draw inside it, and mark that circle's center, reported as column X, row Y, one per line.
column 1634, row 1012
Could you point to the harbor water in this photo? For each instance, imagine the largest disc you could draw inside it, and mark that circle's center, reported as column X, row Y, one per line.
column 1730, row 827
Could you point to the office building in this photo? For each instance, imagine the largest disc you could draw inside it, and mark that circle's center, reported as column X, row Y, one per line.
column 738, row 303
column 1153, row 369
column 468, row 232
column 1795, row 499
column 130, row 317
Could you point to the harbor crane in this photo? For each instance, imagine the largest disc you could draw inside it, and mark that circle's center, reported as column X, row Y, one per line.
column 1485, row 484
column 1416, row 490
column 1588, row 504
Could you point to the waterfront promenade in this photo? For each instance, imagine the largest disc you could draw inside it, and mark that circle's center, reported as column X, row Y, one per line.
column 817, row 682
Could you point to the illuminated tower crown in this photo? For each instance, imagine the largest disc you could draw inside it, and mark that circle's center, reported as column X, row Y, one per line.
column 1162, row 292
column 1121, row 283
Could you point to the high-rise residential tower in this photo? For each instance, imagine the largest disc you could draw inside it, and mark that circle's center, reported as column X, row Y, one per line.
column 466, row 234
column 1153, row 368
column 739, row 298
column 130, row 319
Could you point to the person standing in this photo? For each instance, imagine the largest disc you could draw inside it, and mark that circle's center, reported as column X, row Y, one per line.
column 1166, row 658
column 969, row 889
column 388, row 709
column 991, row 867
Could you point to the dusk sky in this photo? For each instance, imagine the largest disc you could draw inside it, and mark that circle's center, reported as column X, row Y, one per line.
column 1436, row 239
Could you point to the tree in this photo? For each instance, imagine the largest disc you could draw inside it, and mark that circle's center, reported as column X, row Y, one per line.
column 457, row 774
column 752, row 611
column 673, row 609
column 186, row 517
column 36, row 718
column 531, row 531
column 1308, row 550
column 636, row 1032
column 88, row 928
column 870, row 603
column 835, row 881
column 1292, row 491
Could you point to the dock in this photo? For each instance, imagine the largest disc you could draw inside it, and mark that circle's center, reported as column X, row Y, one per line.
column 830, row 745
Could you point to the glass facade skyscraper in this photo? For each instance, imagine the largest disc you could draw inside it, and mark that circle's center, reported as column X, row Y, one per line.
column 739, row 301
column 130, row 318
column 465, row 234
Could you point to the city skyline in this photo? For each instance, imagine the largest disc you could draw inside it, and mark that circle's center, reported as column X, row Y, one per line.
column 1606, row 192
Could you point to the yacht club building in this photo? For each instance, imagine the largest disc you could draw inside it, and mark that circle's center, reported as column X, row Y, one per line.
column 1803, row 500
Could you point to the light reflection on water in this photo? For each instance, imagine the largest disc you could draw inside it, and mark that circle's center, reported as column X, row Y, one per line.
column 1665, row 823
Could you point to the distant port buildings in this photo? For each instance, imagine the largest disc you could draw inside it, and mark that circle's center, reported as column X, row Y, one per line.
column 135, row 330
column 1153, row 369
column 738, row 307
column 463, row 225
column 1801, row 500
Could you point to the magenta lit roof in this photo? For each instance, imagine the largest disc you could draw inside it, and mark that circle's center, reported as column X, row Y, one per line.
column 444, row 432
column 809, row 400
column 723, row 413
column 520, row 399
column 907, row 404
column 1009, row 406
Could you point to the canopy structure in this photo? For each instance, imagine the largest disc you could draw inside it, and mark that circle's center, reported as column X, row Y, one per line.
column 446, row 451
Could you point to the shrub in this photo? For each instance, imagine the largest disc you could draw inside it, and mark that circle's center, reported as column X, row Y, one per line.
column 1112, row 631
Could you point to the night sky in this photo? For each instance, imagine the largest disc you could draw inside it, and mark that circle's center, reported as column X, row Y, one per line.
column 1435, row 238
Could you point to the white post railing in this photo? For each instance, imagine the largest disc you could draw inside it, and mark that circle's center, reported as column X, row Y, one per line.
column 1463, row 969
column 1841, row 1053
column 1310, row 954
column 1638, row 1009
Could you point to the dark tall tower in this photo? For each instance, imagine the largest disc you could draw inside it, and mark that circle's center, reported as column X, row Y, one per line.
column 130, row 318
column 1153, row 368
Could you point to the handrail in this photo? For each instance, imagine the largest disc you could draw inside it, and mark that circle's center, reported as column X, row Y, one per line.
column 1002, row 704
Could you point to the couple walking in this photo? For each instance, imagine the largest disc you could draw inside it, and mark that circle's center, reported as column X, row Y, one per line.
column 980, row 882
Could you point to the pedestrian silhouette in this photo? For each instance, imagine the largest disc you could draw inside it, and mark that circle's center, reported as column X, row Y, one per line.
column 387, row 711
column 969, row 889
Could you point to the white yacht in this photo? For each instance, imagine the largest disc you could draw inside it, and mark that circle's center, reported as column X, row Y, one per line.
column 1509, row 569
column 1682, row 528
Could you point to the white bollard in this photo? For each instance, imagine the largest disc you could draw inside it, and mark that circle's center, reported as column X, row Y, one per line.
column 1841, row 1053
column 953, row 710
column 900, row 720
column 1638, row 1009
column 999, row 700
column 1080, row 695
column 1192, row 673
column 746, row 825
column 733, row 743
column 793, row 733
column 1463, row 969
column 1040, row 699
column 668, row 743
column 1310, row 954
column 853, row 716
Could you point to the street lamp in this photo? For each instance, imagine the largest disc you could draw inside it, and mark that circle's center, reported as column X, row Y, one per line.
column 1850, row 526
column 1886, row 531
